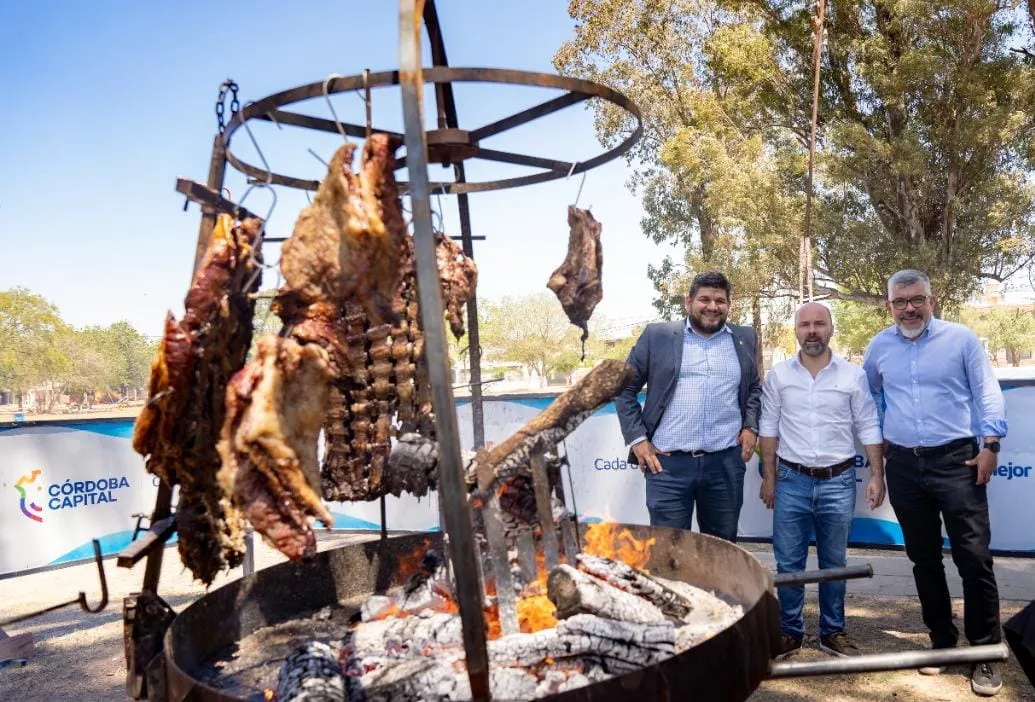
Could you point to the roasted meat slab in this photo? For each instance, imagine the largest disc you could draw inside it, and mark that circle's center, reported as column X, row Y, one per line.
column 178, row 428
column 577, row 281
column 275, row 408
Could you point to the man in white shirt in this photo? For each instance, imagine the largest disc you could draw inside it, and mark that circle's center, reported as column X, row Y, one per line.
column 812, row 405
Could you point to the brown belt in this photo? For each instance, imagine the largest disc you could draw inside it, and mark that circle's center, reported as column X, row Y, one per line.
column 823, row 473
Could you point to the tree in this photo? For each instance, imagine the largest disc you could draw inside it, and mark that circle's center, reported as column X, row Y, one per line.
column 1009, row 330
column 531, row 330
column 926, row 138
column 927, row 120
column 717, row 176
column 856, row 323
column 29, row 326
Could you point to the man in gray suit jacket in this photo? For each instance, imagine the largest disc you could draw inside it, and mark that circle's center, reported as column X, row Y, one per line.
column 699, row 424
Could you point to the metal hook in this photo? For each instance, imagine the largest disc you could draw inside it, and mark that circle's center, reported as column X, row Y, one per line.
column 581, row 183
column 104, row 582
column 262, row 157
column 366, row 98
column 337, row 122
column 266, row 219
column 317, row 156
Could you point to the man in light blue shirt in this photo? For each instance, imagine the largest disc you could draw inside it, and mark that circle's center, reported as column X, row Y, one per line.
column 940, row 396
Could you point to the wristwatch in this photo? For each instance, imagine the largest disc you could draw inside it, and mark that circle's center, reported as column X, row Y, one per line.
column 992, row 446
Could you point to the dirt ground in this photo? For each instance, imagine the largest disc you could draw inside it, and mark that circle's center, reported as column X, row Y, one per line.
column 880, row 625
column 79, row 656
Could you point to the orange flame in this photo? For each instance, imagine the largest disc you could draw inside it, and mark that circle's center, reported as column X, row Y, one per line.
column 604, row 539
column 536, row 613
column 269, row 695
column 409, row 563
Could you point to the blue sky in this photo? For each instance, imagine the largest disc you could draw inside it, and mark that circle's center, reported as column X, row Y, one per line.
column 105, row 103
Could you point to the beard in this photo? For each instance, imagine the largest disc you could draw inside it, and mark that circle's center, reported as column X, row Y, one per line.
column 814, row 347
column 909, row 332
column 707, row 325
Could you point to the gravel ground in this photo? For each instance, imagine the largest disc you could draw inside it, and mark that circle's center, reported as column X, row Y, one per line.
column 79, row 656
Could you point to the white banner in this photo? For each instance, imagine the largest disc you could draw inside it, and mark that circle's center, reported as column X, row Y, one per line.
column 64, row 484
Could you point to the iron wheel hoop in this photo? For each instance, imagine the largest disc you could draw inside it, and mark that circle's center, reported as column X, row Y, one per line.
column 267, row 109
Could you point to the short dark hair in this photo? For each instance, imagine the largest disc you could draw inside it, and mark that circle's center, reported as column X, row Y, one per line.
column 710, row 279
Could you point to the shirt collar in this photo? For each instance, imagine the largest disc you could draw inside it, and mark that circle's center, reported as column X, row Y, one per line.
column 795, row 360
column 689, row 329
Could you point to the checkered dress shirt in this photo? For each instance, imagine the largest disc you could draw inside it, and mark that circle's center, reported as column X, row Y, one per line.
column 704, row 413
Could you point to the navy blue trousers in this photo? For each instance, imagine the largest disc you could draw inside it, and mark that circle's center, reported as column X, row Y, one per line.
column 714, row 484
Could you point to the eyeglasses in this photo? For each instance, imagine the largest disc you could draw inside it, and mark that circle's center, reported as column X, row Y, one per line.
column 899, row 303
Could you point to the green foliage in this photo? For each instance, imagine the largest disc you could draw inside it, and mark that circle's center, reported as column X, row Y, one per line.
column 531, row 330
column 29, row 329
column 37, row 347
column 856, row 323
column 927, row 136
column 1007, row 329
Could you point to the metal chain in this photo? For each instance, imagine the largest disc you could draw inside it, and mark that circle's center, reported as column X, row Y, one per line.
column 235, row 105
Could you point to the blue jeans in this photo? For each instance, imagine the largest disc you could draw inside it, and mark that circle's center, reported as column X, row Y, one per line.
column 715, row 483
column 805, row 506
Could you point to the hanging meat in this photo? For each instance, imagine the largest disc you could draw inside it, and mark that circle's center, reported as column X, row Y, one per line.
column 389, row 379
column 577, row 283
column 179, row 426
column 275, row 408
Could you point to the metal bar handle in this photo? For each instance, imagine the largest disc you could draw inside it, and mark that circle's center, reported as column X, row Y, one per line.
column 897, row 660
column 825, row 575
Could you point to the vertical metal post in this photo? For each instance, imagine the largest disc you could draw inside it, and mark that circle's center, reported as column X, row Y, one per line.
column 474, row 348
column 541, row 486
column 249, row 552
column 452, row 488
column 447, row 118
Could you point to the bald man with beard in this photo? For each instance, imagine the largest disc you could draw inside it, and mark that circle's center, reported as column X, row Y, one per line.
column 813, row 406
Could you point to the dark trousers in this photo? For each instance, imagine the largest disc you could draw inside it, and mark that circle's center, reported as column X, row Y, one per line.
column 922, row 488
column 714, row 483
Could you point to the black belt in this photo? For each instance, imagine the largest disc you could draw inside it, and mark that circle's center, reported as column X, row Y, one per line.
column 822, row 472
column 698, row 454
column 935, row 451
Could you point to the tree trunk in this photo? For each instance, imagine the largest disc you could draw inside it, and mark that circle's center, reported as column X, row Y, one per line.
column 756, row 322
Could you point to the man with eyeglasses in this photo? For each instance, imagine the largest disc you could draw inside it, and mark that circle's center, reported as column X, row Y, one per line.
column 941, row 398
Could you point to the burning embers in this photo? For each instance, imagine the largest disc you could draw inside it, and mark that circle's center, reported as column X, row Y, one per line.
column 580, row 623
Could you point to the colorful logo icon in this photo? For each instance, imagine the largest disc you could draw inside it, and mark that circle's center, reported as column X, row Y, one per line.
column 28, row 480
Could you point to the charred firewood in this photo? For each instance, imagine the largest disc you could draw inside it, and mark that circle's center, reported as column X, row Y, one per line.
column 573, row 592
column 311, row 674
column 577, row 281
column 546, row 429
column 621, row 646
column 179, row 427
column 634, row 581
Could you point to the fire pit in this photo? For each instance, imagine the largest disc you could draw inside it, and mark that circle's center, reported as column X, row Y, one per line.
column 215, row 650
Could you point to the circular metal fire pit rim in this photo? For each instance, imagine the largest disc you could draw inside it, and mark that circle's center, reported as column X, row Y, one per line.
column 580, row 88
column 742, row 649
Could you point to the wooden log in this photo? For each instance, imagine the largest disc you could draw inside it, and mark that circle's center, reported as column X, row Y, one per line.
column 708, row 616
column 621, row 646
column 546, row 429
column 311, row 674
column 573, row 592
column 401, row 637
column 380, row 679
column 629, row 579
